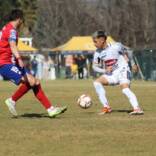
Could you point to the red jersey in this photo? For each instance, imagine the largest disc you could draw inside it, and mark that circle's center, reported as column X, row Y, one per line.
column 7, row 34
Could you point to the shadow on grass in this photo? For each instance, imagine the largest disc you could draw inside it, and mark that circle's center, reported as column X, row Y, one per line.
column 35, row 115
column 122, row 111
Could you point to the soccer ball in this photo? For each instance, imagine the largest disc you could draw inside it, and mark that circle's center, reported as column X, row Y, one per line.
column 84, row 101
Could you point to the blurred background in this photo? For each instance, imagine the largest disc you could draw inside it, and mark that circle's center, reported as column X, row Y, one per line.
column 55, row 40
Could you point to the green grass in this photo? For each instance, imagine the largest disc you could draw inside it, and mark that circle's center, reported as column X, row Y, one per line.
column 78, row 132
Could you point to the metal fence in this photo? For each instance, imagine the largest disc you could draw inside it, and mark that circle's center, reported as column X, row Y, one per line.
column 146, row 60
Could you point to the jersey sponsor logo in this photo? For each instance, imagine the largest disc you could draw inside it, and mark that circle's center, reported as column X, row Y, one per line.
column 110, row 62
column 16, row 70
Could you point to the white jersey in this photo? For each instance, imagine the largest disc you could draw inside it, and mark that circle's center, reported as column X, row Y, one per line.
column 96, row 58
column 112, row 56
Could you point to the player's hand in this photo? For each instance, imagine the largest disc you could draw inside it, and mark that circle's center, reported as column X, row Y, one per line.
column 109, row 69
column 20, row 62
column 135, row 69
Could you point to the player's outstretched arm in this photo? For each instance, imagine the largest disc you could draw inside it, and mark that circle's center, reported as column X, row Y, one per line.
column 96, row 68
column 16, row 53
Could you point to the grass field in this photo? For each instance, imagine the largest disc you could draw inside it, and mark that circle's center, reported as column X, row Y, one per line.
column 78, row 132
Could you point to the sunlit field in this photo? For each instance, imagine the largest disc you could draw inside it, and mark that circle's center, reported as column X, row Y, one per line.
column 78, row 132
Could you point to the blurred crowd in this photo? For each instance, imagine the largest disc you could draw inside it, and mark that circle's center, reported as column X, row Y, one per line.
column 77, row 66
column 48, row 67
column 42, row 67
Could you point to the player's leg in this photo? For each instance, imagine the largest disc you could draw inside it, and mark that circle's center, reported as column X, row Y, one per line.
column 132, row 99
column 100, row 90
column 18, row 75
column 21, row 80
column 24, row 87
column 27, row 81
column 11, row 102
column 30, row 82
column 12, row 73
column 40, row 95
column 124, row 79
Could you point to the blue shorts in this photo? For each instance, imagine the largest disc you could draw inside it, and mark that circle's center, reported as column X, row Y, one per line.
column 13, row 72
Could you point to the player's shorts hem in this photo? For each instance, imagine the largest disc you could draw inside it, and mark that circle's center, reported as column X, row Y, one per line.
column 123, row 82
column 13, row 73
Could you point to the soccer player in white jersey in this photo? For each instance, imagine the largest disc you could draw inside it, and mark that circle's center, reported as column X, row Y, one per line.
column 112, row 61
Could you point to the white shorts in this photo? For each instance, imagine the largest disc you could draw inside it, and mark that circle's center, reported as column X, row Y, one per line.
column 119, row 76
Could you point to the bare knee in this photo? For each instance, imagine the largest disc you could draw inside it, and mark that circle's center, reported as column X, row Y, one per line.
column 37, row 82
column 125, row 85
column 102, row 80
column 32, row 80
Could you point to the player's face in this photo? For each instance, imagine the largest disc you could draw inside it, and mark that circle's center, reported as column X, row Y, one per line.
column 99, row 42
column 20, row 22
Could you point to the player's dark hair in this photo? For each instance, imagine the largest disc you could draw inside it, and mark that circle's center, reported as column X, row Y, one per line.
column 15, row 14
column 99, row 33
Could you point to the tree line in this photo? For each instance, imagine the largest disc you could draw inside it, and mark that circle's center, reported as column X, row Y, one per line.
column 53, row 22
column 29, row 8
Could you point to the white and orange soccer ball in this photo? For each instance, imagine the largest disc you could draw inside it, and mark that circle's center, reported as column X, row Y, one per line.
column 84, row 101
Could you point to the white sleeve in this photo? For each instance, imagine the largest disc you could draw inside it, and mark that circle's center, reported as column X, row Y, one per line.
column 96, row 57
column 96, row 67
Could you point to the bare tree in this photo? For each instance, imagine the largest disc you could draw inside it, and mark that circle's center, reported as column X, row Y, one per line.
column 131, row 22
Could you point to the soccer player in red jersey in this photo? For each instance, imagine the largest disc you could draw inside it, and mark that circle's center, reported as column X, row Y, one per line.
column 16, row 72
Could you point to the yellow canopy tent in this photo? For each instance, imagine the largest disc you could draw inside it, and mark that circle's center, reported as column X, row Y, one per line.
column 25, row 48
column 59, row 48
column 80, row 43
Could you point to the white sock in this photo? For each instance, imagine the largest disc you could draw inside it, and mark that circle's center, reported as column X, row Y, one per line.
column 50, row 109
column 132, row 98
column 101, row 93
column 12, row 101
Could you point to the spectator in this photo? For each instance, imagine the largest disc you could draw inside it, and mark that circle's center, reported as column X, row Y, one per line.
column 51, row 73
column 74, row 70
column 68, row 63
column 34, row 66
column 81, row 63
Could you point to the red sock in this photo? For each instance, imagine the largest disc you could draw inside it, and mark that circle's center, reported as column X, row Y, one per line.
column 23, row 89
column 41, row 96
